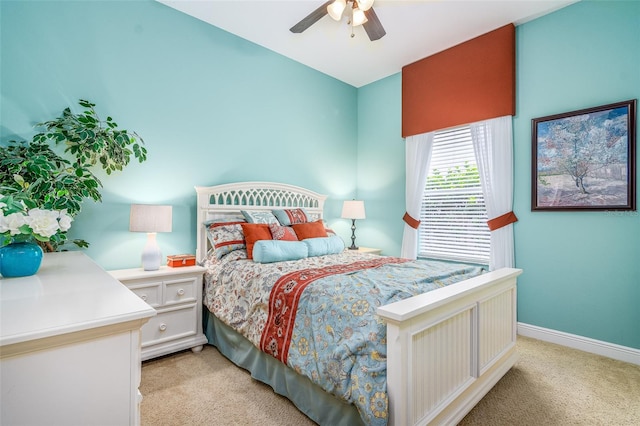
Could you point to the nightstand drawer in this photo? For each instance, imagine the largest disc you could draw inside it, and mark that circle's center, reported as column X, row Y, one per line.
column 168, row 325
column 176, row 295
column 180, row 291
column 149, row 292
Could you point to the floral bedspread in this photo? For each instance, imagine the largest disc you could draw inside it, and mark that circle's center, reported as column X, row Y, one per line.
column 335, row 339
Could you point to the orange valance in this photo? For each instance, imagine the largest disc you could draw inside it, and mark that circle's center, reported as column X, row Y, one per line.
column 470, row 82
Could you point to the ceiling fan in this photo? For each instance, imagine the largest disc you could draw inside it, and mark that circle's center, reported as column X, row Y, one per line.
column 360, row 13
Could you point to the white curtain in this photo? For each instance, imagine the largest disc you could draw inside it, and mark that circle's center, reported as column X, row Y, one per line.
column 493, row 146
column 418, row 156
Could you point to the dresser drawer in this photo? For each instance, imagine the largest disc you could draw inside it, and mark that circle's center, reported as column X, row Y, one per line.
column 149, row 292
column 180, row 291
column 169, row 324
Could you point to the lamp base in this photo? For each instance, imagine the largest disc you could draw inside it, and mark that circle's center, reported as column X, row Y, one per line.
column 353, row 235
column 151, row 255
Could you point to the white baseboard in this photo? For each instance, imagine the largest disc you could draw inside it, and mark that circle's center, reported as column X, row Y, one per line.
column 610, row 350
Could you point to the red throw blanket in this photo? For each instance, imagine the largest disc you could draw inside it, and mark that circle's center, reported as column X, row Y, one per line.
column 285, row 295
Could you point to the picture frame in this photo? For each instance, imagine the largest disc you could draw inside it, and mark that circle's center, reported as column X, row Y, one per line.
column 585, row 159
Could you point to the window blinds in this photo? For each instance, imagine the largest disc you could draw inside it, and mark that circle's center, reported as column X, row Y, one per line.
column 453, row 214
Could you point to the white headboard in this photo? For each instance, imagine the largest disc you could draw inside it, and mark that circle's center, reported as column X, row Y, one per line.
column 224, row 202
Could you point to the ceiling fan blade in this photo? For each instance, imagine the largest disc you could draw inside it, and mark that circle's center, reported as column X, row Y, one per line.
column 373, row 27
column 311, row 19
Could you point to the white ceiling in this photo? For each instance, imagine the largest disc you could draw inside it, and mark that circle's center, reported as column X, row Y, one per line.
column 415, row 30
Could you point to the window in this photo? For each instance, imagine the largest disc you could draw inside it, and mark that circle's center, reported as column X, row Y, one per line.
column 453, row 214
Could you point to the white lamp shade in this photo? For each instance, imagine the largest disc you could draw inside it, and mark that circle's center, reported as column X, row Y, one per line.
column 358, row 17
column 336, row 8
column 365, row 4
column 150, row 218
column 353, row 209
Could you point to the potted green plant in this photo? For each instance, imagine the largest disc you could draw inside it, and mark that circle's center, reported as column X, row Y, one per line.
column 37, row 182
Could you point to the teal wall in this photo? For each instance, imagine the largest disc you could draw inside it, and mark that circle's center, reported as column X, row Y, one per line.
column 381, row 163
column 581, row 269
column 214, row 108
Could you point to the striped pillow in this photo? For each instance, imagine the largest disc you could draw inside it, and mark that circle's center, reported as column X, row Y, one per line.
column 290, row 217
column 225, row 237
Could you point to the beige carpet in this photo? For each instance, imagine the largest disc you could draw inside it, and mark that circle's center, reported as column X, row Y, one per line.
column 550, row 385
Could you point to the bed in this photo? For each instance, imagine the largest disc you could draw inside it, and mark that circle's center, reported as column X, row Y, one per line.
column 438, row 352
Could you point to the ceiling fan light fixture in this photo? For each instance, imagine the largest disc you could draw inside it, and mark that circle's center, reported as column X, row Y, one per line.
column 365, row 5
column 336, row 8
column 358, row 18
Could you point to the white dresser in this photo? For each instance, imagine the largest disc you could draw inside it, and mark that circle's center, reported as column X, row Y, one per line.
column 70, row 346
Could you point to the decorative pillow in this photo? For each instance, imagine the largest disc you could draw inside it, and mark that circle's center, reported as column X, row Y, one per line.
column 259, row 216
column 225, row 237
column 226, row 219
column 324, row 245
column 269, row 251
column 254, row 232
column 234, row 255
column 330, row 232
column 290, row 217
column 309, row 230
column 285, row 233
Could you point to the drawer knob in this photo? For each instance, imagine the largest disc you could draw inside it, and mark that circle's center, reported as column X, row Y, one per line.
column 163, row 327
column 181, row 292
column 143, row 297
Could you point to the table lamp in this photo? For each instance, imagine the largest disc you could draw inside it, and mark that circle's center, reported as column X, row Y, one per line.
column 353, row 210
column 150, row 219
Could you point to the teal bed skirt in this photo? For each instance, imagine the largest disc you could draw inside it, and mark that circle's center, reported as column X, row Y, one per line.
column 320, row 406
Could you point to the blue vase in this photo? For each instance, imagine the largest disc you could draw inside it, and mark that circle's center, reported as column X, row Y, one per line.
column 20, row 259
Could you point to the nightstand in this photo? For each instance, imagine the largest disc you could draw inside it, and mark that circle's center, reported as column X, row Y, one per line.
column 176, row 295
column 366, row 250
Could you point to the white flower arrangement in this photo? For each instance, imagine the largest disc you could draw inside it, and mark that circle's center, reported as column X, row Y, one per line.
column 17, row 223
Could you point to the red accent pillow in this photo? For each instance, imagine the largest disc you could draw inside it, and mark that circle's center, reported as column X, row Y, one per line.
column 310, row 230
column 285, row 233
column 254, row 232
column 296, row 216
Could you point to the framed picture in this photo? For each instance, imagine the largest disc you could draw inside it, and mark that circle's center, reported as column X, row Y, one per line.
column 585, row 160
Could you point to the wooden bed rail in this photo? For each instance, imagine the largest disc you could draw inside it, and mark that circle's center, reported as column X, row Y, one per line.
column 448, row 347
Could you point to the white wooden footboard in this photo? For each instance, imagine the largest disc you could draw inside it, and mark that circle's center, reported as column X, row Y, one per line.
column 447, row 348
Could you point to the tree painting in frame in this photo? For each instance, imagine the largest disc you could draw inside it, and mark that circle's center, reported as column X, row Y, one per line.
column 585, row 160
